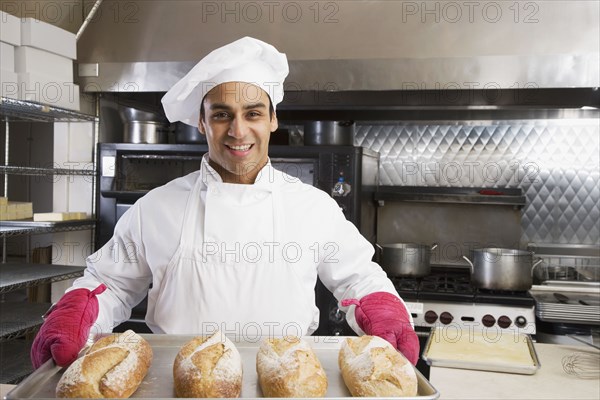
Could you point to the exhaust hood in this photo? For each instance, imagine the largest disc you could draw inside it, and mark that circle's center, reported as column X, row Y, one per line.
column 353, row 50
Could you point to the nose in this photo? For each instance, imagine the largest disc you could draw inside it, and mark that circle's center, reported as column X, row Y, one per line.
column 237, row 129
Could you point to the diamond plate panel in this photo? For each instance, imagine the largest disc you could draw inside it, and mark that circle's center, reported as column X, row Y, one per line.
column 555, row 162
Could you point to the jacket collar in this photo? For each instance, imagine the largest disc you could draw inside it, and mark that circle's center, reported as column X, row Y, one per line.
column 266, row 177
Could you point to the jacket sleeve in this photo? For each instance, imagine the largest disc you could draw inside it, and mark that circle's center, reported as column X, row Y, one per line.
column 346, row 269
column 121, row 265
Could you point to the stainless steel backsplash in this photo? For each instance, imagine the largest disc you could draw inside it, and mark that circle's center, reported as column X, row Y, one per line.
column 555, row 162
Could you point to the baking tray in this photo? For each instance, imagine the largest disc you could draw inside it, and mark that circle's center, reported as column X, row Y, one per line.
column 158, row 383
column 483, row 351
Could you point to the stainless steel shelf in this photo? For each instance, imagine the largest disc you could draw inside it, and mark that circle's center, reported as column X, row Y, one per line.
column 37, row 171
column 508, row 197
column 16, row 363
column 18, row 319
column 19, row 110
column 28, row 227
column 15, row 276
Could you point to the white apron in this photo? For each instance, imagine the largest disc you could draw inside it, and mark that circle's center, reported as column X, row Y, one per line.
column 229, row 272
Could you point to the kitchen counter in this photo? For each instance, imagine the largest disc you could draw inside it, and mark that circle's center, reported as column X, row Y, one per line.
column 549, row 382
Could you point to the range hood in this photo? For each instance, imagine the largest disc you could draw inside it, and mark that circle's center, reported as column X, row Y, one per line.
column 359, row 49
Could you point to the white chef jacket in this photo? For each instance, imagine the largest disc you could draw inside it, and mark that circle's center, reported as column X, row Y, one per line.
column 240, row 258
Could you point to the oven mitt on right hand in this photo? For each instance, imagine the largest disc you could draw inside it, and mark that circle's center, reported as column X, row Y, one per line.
column 383, row 314
column 66, row 328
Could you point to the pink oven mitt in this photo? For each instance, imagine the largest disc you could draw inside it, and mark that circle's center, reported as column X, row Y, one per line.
column 66, row 328
column 383, row 314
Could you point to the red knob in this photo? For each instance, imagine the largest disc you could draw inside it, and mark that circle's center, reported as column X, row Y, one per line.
column 446, row 318
column 504, row 322
column 488, row 320
column 431, row 317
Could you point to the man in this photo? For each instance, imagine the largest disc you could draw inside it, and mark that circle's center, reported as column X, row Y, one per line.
column 235, row 246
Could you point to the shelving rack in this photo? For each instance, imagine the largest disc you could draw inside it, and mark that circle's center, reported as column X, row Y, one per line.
column 20, row 320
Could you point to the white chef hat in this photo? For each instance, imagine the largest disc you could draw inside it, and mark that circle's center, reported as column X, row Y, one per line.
column 245, row 60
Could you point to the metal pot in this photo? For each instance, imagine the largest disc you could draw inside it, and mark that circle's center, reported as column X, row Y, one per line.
column 185, row 133
column 406, row 259
column 145, row 132
column 319, row 133
column 502, row 269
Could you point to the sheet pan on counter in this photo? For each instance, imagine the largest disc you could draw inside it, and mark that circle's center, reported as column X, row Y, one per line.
column 491, row 350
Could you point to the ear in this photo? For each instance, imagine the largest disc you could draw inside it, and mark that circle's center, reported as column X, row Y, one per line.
column 201, row 126
column 274, row 123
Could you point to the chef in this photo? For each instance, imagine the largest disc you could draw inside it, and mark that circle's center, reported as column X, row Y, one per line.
column 235, row 246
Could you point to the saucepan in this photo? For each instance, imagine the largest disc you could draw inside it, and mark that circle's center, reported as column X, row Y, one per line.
column 406, row 259
column 502, row 269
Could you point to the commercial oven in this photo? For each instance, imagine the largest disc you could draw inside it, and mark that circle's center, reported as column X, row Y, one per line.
column 129, row 171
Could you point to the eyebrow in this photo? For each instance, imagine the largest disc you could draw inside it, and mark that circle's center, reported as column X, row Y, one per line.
column 223, row 106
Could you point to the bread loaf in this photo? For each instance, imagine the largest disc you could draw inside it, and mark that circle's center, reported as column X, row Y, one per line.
column 113, row 367
column 288, row 367
column 371, row 367
column 208, row 366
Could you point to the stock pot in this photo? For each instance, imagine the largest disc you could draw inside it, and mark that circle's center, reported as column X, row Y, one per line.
column 406, row 259
column 502, row 269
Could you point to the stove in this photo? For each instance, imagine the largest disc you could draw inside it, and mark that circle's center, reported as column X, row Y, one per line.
column 446, row 299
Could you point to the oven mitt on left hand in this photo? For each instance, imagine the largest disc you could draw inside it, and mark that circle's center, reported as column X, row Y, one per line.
column 66, row 328
column 383, row 314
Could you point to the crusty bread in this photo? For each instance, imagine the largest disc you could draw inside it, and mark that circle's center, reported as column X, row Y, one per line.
column 371, row 367
column 208, row 366
column 288, row 367
column 113, row 367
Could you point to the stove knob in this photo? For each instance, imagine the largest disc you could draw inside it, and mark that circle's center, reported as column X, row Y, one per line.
column 446, row 318
column 488, row 320
column 504, row 322
column 431, row 317
column 336, row 315
column 520, row 321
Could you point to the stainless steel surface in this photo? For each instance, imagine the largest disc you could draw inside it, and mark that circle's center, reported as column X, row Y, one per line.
column 584, row 342
column 450, row 225
column 158, row 383
column 502, row 269
column 144, row 132
column 515, row 368
column 18, row 275
column 406, row 259
column 470, row 316
column 318, row 133
column 554, row 162
column 535, row 43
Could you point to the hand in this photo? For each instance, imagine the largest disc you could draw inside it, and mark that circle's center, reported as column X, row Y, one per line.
column 383, row 314
column 66, row 327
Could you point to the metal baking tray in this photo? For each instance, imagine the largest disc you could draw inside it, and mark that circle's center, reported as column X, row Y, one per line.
column 443, row 337
column 158, row 383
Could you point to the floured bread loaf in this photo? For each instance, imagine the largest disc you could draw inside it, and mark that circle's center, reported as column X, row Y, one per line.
column 113, row 367
column 372, row 367
column 208, row 366
column 288, row 367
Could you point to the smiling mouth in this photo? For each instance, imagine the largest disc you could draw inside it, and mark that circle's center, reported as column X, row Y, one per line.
column 244, row 147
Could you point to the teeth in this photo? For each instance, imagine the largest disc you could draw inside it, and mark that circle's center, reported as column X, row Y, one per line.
column 241, row 148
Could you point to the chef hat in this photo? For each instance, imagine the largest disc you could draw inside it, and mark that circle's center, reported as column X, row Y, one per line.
column 245, row 60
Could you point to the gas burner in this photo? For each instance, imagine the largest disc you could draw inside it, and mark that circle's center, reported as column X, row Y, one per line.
column 454, row 285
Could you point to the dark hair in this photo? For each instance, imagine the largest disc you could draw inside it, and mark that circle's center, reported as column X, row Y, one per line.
column 271, row 109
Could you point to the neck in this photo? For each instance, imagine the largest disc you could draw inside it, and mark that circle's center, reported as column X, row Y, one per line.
column 248, row 177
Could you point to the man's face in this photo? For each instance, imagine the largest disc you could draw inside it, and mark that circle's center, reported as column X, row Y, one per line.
column 237, row 126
